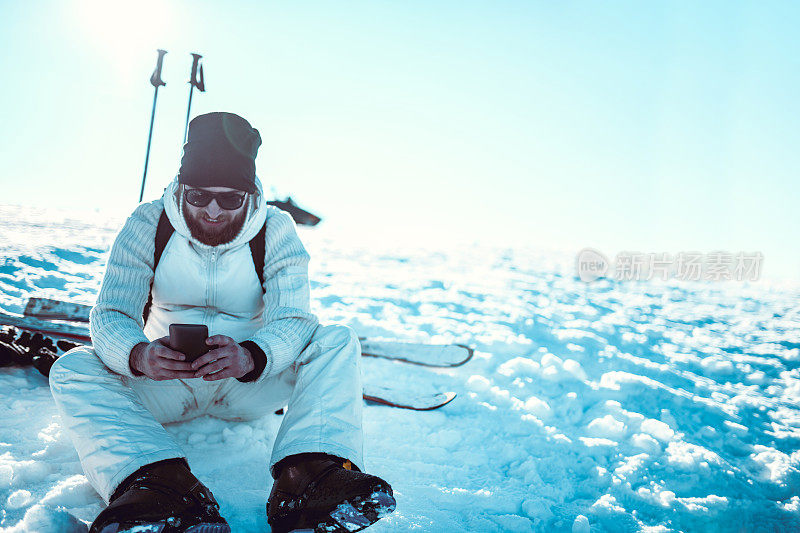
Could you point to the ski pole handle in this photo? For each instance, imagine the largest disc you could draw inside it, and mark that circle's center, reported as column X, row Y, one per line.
column 155, row 79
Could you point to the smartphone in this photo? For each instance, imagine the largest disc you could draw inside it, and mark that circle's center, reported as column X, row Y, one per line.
column 189, row 339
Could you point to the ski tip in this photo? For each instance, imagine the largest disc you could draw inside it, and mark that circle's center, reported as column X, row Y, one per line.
column 469, row 349
column 449, row 397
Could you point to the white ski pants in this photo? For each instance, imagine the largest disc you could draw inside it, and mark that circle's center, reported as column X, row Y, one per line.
column 115, row 421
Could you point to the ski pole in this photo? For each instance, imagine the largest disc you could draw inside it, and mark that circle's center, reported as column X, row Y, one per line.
column 156, row 81
column 194, row 81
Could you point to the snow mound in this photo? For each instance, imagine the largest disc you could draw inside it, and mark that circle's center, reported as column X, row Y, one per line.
column 45, row 519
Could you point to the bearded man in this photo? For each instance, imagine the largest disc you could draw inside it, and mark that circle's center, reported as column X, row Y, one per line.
column 268, row 351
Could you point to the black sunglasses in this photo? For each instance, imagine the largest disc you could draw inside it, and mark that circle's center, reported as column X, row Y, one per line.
column 225, row 200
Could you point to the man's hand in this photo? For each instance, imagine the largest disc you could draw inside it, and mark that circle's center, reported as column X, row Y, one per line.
column 159, row 362
column 228, row 360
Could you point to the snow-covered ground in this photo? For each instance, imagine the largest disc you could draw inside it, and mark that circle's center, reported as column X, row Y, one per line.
column 609, row 406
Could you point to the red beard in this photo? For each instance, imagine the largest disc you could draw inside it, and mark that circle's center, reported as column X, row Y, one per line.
column 214, row 236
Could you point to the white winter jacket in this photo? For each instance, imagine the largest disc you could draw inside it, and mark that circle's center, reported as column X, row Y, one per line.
column 200, row 284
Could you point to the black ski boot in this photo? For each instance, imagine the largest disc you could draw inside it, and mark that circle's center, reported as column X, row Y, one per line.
column 11, row 354
column 162, row 497
column 43, row 360
column 322, row 493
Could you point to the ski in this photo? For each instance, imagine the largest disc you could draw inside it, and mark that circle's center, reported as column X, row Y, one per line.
column 400, row 397
column 431, row 355
column 45, row 308
column 62, row 329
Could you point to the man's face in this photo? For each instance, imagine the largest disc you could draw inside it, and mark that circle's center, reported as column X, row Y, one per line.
column 211, row 224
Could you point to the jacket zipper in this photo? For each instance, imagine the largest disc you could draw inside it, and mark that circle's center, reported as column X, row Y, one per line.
column 211, row 289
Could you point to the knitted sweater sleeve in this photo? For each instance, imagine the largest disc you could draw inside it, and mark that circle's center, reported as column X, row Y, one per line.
column 288, row 323
column 115, row 321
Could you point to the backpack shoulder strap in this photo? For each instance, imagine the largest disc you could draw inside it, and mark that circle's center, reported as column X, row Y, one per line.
column 164, row 231
column 257, row 250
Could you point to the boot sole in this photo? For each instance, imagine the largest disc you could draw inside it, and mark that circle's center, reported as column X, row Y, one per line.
column 158, row 528
column 354, row 515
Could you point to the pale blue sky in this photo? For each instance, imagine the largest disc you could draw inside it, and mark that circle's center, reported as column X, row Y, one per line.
column 649, row 126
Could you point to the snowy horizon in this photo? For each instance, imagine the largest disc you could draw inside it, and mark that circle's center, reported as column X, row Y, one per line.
column 431, row 240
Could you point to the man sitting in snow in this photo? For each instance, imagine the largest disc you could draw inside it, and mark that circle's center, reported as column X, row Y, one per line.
column 268, row 351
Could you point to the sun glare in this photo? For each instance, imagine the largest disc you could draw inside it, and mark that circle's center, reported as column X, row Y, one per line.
column 124, row 30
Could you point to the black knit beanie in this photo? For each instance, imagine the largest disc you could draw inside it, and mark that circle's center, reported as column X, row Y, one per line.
column 220, row 151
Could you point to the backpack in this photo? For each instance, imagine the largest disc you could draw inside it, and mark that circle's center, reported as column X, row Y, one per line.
column 164, row 231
